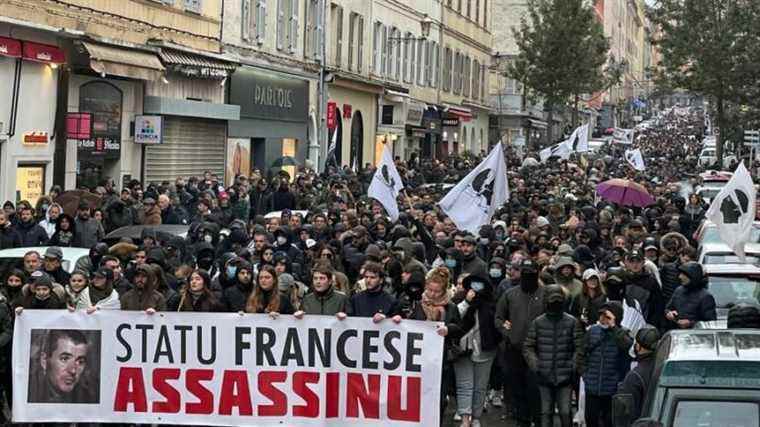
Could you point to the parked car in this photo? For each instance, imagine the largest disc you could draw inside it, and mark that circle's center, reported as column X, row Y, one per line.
column 14, row 258
column 707, row 378
column 707, row 233
column 721, row 253
column 731, row 284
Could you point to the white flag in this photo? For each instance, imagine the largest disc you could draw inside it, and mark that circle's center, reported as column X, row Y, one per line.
column 622, row 136
column 580, row 142
column 635, row 159
column 561, row 150
column 733, row 210
column 473, row 201
column 386, row 184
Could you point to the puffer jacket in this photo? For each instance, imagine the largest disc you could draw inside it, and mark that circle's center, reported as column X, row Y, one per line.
column 32, row 234
column 692, row 301
column 554, row 349
column 606, row 359
column 332, row 302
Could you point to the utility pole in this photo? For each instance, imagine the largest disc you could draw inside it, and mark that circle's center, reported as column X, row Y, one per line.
column 318, row 148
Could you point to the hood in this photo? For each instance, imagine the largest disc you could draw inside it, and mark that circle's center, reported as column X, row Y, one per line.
column 673, row 235
column 156, row 256
column 284, row 230
column 554, row 293
column 694, row 271
column 615, row 308
column 583, row 255
column 52, row 205
column 407, row 245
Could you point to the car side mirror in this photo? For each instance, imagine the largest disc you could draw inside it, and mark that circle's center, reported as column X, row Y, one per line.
column 622, row 408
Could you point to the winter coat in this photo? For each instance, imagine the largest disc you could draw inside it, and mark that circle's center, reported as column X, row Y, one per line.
column 554, row 349
column 235, row 297
column 152, row 216
column 474, row 266
column 607, row 359
column 331, row 303
column 169, row 216
column 142, row 299
column 6, row 330
column 520, row 308
column 451, row 320
column 205, row 303
column 88, row 233
column 367, row 303
column 48, row 224
column 110, row 303
column 583, row 305
column 669, row 279
column 692, row 303
column 9, row 237
column 32, row 234
column 637, row 381
column 643, row 287
column 283, row 199
column 118, row 214
column 485, row 311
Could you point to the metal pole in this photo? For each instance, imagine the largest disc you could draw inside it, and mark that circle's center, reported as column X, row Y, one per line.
column 318, row 148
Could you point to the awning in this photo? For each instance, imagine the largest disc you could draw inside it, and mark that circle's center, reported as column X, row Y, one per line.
column 10, row 47
column 190, row 63
column 116, row 61
column 464, row 114
column 538, row 124
column 394, row 96
column 43, row 53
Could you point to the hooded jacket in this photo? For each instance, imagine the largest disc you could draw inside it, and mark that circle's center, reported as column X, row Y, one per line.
column 50, row 226
column 554, row 345
column 9, row 237
column 140, row 299
column 607, row 359
column 692, row 301
column 118, row 214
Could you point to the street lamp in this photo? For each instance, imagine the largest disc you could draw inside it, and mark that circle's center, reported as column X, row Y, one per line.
column 425, row 25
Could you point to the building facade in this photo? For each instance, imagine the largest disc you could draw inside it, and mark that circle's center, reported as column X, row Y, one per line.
column 121, row 90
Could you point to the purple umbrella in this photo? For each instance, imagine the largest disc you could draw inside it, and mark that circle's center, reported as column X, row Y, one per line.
column 625, row 193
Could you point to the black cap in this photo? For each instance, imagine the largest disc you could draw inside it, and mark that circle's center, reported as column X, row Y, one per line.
column 648, row 338
column 105, row 272
column 634, row 255
column 528, row 266
column 636, row 224
column 470, row 239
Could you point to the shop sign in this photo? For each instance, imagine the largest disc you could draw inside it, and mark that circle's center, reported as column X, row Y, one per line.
column 148, row 129
column 347, row 111
column 450, row 121
column 36, row 138
column 269, row 96
column 202, row 72
column 78, row 125
column 332, row 113
column 100, row 147
column 414, row 113
column 30, row 183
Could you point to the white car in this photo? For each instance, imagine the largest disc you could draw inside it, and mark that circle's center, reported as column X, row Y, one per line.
column 721, row 253
column 14, row 258
column 731, row 284
column 707, row 234
column 708, row 156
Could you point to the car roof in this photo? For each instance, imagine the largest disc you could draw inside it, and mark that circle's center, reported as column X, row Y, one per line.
column 729, row 269
column 720, row 248
column 68, row 253
column 714, row 344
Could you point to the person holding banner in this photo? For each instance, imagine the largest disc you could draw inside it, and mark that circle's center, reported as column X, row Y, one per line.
column 41, row 295
column 144, row 296
column 196, row 295
column 373, row 301
column 323, row 299
column 266, row 297
column 77, row 283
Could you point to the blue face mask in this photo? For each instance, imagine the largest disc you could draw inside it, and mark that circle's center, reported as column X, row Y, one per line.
column 231, row 271
column 494, row 273
column 451, row 263
column 477, row 286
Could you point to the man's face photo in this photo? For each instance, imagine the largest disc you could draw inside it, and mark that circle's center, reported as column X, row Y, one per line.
column 65, row 364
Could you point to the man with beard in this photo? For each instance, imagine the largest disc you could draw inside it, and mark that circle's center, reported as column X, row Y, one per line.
column 61, row 377
column 88, row 230
column 643, row 287
column 671, row 246
column 143, row 296
column 472, row 264
column 32, row 234
column 515, row 311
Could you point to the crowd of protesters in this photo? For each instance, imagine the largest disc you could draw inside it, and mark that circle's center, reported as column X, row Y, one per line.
column 530, row 305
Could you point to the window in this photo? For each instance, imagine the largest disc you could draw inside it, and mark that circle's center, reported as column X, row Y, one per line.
column 412, row 57
column 435, row 65
column 283, row 21
column 469, row 8
column 247, row 23
column 337, row 17
column 377, row 36
column 193, row 6
column 457, row 80
column 360, row 43
column 483, row 71
column 466, row 77
column 485, row 14
column 314, row 30
column 459, row 6
column 475, row 79
column 716, row 413
column 420, row 66
column 428, row 62
column 407, row 59
column 397, row 44
column 446, row 71
column 383, row 49
column 261, row 20
column 477, row 11
column 351, row 26
column 293, row 27
column 389, row 53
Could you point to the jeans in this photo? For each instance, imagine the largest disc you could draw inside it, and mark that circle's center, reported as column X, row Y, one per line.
column 598, row 411
column 472, row 385
column 558, row 396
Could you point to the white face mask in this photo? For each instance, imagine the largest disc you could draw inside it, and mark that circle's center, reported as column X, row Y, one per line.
column 207, row 238
column 282, row 240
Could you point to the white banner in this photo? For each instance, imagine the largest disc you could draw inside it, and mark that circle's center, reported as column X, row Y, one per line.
column 224, row 369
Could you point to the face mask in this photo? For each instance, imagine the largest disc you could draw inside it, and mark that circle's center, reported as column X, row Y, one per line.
column 529, row 282
column 499, row 235
column 477, row 286
column 207, row 238
column 603, row 325
column 205, row 263
column 282, row 240
column 555, row 307
column 495, row 273
column 484, row 240
column 231, row 270
column 45, row 207
column 450, row 263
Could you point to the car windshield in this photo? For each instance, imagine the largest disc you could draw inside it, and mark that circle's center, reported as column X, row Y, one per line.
column 716, row 414
column 709, row 193
column 729, row 291
column 711, row 235
column 722, row 258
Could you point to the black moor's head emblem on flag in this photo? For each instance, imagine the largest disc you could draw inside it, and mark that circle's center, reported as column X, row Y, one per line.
column 629, row 156
column 387, row 178
column 483, row 186
column 731, row 212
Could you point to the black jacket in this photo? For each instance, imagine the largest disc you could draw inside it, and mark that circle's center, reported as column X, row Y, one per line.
column 520, row 308
column 369, row 302
column 32, row 234
column 554, row 349
column 283, row 199
column 9, row 238
column 636, row 383
column 485, row 310
column 643, row 287
column 235, row 297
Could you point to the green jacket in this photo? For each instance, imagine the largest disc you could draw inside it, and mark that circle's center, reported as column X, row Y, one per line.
column 331, row 303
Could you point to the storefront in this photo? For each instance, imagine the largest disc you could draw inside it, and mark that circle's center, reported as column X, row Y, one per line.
column 274, row 119
column 423, row 129
column 194, row 119
column 357, row 111
column 29, row 69
column 392, row 108
column 105, row 93
column 476, row 130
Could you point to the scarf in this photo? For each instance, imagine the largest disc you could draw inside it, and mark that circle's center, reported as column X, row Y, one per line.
column 97, row 295
column 435, row 308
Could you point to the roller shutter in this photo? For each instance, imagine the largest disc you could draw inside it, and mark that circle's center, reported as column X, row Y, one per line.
column 190, row 146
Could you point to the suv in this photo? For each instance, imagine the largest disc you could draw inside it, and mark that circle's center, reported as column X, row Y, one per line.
column 705, row 378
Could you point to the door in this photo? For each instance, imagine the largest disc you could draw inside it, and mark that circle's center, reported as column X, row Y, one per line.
column 357, row 139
